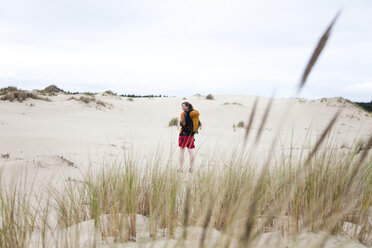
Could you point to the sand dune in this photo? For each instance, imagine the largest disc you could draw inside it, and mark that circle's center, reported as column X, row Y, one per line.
column 86, row 134
column 51, row 142
column 89, row 134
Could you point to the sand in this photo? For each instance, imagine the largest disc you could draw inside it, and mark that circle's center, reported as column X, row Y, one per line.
column 51, row 142
column 37, row 134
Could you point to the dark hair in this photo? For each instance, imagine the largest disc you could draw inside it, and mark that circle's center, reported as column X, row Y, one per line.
column 187, row 104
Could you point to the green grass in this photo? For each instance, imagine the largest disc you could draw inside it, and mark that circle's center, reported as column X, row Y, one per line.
column 173, row 122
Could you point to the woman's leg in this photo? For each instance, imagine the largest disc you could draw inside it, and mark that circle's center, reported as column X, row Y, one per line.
column 191, row 153
column 182, row 157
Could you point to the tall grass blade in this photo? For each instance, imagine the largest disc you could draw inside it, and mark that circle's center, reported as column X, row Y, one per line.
column 264, row 118
column 324, row 134
column 363, row 156
column 318, row 49
column 356, row 168
column 205, row 225
column 186, row 214
column 246, row 237
column 250, row 121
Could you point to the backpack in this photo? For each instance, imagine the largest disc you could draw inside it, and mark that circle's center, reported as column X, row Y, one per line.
column 189, row 128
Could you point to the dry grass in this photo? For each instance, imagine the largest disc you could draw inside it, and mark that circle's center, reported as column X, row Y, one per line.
column 91, row 99
column 101, row 103
column 233, row 103
column 12, row 93
column 110, row 93
column 51, row 90
column 240, row 201
column 6, row 155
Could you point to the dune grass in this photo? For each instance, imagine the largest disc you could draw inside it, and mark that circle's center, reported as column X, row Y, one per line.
column 12, row 93
column 91, row 99
column 173, row 122
column 209, row 97
column 322, row 194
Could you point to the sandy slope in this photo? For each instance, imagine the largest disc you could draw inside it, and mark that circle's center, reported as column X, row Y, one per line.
column 64, row 137
column 50, row 142
column 84, row 234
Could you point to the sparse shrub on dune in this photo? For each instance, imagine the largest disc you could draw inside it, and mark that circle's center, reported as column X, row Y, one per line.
column 233, row 103
column 51, row 90
column 101, row 103
column 89, row 94
column 85, row 99
column 301, row 100
column 240, row 124
column 8, row 89
column 209, row 97
column 365, row 107
column 8, row 96
column 340, row 100
column 12, row 93
column 110, row 93
column 90, row 99
column 130, row 99
column 5, row 155
column 173, row 122
column 46, row 94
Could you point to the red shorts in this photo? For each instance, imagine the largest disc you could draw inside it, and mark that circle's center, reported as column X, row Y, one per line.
column 186, row 141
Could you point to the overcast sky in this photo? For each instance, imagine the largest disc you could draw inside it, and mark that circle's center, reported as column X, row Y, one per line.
column 187, row 47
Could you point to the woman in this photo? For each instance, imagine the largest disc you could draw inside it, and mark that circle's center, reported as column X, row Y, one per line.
column 189, row 123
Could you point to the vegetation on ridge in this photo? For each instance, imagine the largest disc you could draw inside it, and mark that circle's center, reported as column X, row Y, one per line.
column 365, row 105
column 12, row 93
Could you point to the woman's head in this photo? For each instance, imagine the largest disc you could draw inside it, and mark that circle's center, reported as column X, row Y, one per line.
column 186, row 106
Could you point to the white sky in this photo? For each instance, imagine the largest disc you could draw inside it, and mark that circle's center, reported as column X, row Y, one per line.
column 186, row 47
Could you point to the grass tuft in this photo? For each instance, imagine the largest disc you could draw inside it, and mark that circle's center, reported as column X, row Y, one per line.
column 90, row 99
column 12, row 93
column 173, row 122
column 236, row 199
column 209, row 97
